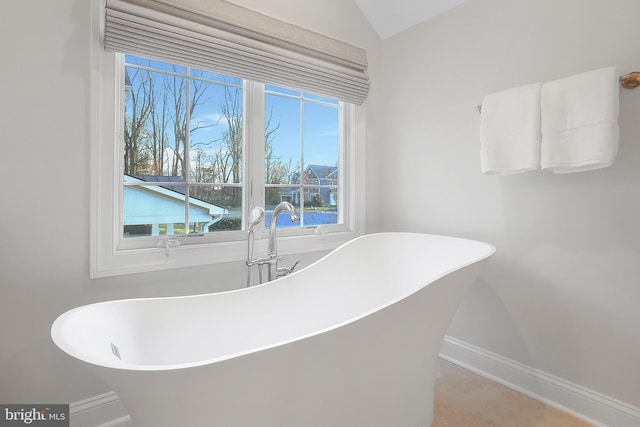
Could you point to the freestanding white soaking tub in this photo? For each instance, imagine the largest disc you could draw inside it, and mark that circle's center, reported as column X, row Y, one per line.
column 350, row 341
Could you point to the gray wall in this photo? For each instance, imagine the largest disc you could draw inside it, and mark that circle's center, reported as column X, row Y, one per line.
column 561, row 294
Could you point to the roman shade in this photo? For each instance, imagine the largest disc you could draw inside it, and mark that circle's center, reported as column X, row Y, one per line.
column 219, row 36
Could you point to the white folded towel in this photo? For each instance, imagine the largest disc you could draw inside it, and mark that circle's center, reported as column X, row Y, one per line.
column 580, row 121
column 510, row 130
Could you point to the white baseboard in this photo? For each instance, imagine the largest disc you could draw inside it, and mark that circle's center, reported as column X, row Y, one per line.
column 104, row 410
column 594, row 407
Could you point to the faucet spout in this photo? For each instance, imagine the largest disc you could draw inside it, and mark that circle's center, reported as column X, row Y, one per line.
column 271, row 247
column 272, row 258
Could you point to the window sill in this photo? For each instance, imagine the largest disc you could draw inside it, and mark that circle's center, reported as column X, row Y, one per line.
column 155, row 259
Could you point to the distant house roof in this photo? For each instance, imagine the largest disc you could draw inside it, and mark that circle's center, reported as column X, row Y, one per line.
column 322, row 172
column 161, row 204
column 164, row 178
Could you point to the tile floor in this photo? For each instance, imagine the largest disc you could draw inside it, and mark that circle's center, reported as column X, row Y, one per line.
column 464, row 399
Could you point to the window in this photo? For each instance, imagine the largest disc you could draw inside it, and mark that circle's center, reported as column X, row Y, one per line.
column 184, row 150
column 302, row 155
column 180, row 154
column 194, row 151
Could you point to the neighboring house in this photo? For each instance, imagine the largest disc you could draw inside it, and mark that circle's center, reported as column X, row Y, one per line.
column 314, row 175
column 149, row 208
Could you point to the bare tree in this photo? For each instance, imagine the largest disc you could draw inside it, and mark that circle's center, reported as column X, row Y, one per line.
column 156, row 131
column 228, row 158
column 156, row 121
column 159, row 119
column 178, row 118
column 137, row 110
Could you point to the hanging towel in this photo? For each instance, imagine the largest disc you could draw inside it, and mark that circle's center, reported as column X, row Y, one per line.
column 580, row 121
column 510, row 130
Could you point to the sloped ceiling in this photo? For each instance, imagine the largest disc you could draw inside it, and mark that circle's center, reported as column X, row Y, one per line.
column 389, row 17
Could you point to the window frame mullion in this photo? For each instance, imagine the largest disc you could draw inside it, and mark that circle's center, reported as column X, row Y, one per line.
column 302, row 172
column 186, row 164
column 254, row 138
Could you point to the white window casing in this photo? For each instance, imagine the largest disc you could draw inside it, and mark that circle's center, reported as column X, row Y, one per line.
column 110, row 256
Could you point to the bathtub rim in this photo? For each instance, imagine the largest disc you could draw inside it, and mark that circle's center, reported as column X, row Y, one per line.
column 58, row 336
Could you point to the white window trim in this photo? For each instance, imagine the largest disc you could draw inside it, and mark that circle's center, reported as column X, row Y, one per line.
column 105, row 258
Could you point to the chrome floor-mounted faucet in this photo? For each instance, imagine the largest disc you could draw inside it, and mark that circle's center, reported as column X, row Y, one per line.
column 272, row 259
column 255, row 217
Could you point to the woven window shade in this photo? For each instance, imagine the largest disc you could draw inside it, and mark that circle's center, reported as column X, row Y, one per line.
column 219, row 36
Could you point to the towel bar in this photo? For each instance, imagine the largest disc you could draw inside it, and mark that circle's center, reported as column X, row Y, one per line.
column 629, row 81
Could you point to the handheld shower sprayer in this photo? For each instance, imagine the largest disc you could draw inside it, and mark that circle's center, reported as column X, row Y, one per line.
column 255, row 217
